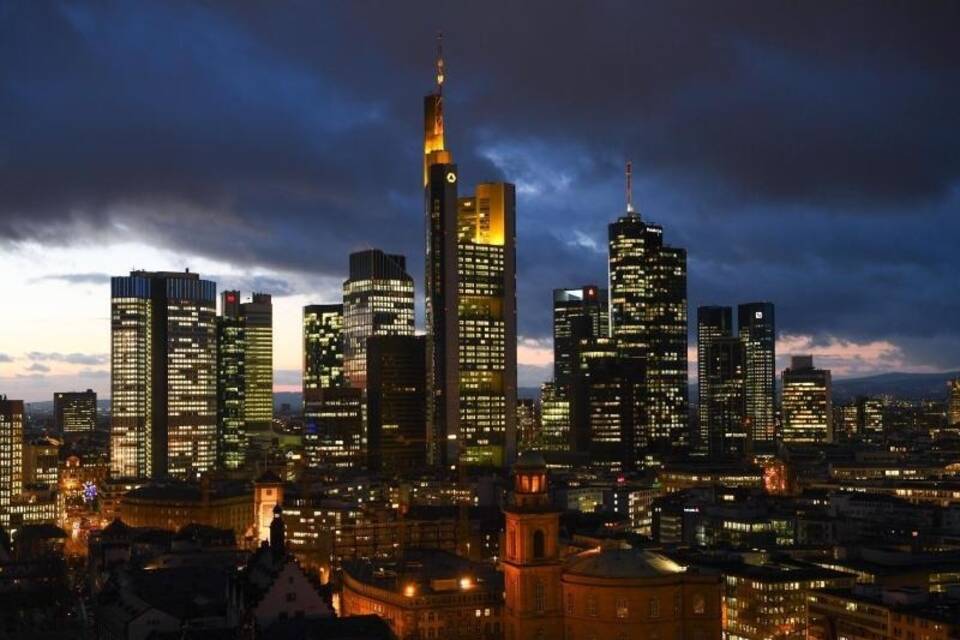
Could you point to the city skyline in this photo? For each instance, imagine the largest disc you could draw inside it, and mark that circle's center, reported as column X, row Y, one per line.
column 62, row 247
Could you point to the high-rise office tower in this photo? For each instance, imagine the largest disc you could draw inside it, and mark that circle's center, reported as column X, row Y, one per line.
column 554, row 418
column 322, row 347
column 377, row 301
column 163, row 375
column 590, row 302
column 870, row 417
column 470, row 307
column 333, row 427
column 724, row 410
column 396, row 403
column 713, row 322
column 807, row 404
column 486, row 260
column 606, row 410
column 648, row 320
column 11, row 456
column 953, row 403
column 756, row 324
column 257, row 317
column 528, row 424
column 75, row 412
column 231, row 382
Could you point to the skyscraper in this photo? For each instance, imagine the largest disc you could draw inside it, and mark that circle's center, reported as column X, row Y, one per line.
column 257, row 318
column 231, row 382
column 487, row 313
column 11, row 456
column 807, row 404
column 554, row 418
column 75, row 412
column 648, row 320
column 757, row 327
column 396, row 403
column 953, row 403
column 724, row 409
column 713, row 322
column 470, row 307
column 377, row 301
column 333, row 427
column 322, row 346
column 163, row 375
column 589, row 301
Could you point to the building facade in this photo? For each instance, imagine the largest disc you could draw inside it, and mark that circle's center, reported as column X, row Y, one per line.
column 648, row 320
column 712, row 322
column 590, row 302
column 11, row 456
column 75, row 412
column 163, row 375
column 807, row 403
column 333, row 428
column 725, row 397
column 322, row 347
column 757, row 326
column 377, row 301
column 396, row 403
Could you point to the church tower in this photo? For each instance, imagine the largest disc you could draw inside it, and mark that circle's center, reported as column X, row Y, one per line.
column 531, row 564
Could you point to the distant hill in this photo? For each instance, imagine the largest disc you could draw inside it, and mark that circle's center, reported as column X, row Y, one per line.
column 904, row 386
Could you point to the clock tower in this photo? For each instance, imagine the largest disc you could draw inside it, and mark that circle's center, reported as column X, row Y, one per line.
column 531, row 563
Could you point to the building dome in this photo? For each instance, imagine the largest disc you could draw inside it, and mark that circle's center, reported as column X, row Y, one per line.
column 530, row 460
column 622, row 564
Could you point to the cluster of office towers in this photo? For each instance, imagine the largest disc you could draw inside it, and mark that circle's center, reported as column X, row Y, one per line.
column 375, row 393
column 188, row 387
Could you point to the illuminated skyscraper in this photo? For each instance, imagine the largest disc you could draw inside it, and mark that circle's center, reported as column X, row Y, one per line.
column 724, row 398
column 953, row 403
column 75, row 412
column 756, row 323
column 377, row 301
column 554, row 418
column 163, row 375
column 257, row 318
column 396, row 403
column 589, row 301
column 470, row 307
column 231, row 382
column 322, row 347
column 713, row 322
column 487, row 303
column 648, row 320
column 807, row 405
column 11, row 456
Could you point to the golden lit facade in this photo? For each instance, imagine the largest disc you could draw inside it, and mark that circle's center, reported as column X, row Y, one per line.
column 648, row 320
column 163, row 375
column 11, row 456
column 953, row 403
column 173, row 507
column 806, row 405
column 378, row 300
column 487, row 324
column 470, row 308
column 322, row 346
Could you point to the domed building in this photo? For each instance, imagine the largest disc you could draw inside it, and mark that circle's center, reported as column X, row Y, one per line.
column 601, row 594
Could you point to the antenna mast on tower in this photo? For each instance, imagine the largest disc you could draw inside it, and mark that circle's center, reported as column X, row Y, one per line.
column 629, row 186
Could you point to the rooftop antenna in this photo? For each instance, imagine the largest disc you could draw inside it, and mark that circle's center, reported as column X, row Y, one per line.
column 630, row 187
column 439, row 62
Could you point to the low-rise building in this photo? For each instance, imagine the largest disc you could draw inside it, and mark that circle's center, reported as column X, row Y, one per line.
column 873, row 613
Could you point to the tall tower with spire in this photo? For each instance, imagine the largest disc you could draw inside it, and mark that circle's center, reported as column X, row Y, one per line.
column 442, row 282
column 470, row 306
column 648, row 321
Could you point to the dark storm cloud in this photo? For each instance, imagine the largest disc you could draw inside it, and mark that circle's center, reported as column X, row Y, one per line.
column 802, row 152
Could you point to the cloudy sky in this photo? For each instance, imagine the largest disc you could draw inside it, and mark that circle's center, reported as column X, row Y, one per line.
column 804, row 153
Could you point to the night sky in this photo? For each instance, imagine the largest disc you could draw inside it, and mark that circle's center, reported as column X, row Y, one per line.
column 806, row 153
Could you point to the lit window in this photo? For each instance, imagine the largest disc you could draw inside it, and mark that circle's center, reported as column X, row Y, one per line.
column 623, row 608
